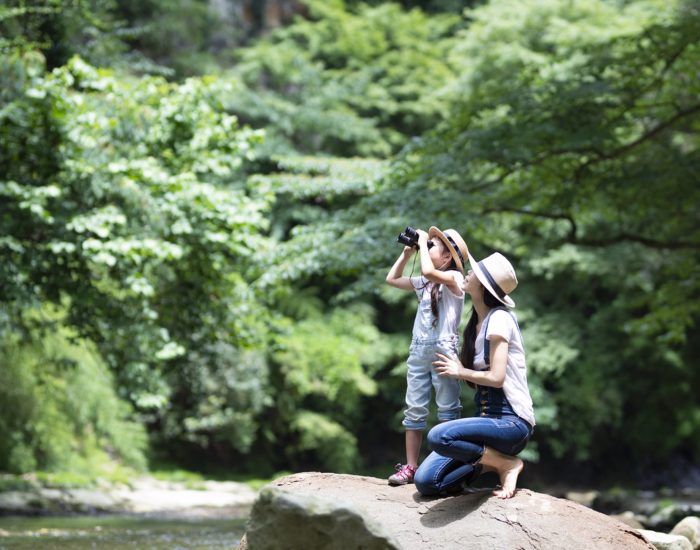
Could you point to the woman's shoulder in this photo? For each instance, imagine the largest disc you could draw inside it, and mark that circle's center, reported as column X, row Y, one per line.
column 501, row 317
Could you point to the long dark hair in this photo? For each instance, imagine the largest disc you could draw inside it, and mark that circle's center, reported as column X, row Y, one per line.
column 435, row 294
column 466, row 355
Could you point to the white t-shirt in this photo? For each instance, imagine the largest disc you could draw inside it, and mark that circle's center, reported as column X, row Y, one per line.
column 449, row 309
column 515, row 387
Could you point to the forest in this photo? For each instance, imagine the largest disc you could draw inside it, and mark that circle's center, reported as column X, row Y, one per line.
column 199, row 203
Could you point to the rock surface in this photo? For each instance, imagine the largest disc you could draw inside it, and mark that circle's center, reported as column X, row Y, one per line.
column 334, row 511
column 662, row 541
column 689, row 528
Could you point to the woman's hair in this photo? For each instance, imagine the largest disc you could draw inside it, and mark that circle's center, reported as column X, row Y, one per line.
column 466, row 356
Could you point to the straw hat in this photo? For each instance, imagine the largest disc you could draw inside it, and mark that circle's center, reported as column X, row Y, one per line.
column 498, row 276
column 454, row 243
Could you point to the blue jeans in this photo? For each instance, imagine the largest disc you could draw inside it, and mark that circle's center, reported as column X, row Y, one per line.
column 458, row 446
column 421, row 379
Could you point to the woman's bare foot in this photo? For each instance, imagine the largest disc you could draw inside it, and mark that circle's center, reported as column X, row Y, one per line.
column 508, row 469
column 509, row 478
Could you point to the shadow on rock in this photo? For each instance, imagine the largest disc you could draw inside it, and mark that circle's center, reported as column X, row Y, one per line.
column 448, row 509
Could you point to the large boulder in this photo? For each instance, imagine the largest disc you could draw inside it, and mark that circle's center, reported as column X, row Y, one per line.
column 335, row 511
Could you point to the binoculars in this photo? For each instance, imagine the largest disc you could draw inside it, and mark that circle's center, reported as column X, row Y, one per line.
column 409, row 237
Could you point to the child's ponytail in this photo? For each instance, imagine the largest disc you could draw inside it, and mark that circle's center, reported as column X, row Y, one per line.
column 434, row 299
column 435, row 294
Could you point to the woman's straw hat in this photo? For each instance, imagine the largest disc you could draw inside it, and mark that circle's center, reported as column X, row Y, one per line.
column 454, row 243
column 498, row 276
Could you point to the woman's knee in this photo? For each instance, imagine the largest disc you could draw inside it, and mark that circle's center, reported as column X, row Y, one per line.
column 425, row 483
column 438, row 438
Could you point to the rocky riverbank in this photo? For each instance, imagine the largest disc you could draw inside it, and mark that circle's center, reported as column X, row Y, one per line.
column 144, row 495
column 644, row 512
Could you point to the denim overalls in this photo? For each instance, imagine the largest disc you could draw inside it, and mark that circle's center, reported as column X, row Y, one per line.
column 427, row 340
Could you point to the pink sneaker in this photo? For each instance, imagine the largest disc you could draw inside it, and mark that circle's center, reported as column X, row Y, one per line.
column 404, row 474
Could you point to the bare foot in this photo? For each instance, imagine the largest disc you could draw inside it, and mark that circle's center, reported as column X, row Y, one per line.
column 508, row 474
column 507, row 467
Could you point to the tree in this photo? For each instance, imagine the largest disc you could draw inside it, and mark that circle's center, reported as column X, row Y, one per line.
column 123, row 205
column 570, row 145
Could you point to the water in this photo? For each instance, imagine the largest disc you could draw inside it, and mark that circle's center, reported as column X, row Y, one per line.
column 82, row 532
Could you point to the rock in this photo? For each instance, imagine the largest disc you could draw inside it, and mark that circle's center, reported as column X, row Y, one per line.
column 289, row 519
column 660, row 511
column 333, row 511
column 662, row 541
column 628, row 518
column 585, row 498
column 689, row 528
column 152, row 495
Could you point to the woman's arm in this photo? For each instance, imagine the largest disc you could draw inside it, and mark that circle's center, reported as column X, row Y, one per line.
column 395, row 276
column 451, row 366
column 428, row 269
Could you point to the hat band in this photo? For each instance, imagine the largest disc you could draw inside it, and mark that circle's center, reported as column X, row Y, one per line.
column 456, row 249
column 499, row 291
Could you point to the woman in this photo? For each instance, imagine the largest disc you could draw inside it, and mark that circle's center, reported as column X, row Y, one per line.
column 493, row 360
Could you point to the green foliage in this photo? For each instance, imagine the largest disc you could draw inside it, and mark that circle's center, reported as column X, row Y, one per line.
column 61, row 29
column 178, row 38
column 327, row 363
column 347, row 82
column 60, row 410
column 571, row 147
column 234, row 285
column 328, row 357
column 123, row 201
column 335, row 445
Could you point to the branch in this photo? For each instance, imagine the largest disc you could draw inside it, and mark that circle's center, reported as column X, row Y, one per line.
column 609, row 241
column 651, row 243
column 548, row 215
column 651, row 133
column 578, row 172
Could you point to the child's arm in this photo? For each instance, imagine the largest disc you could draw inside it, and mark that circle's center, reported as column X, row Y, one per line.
column 395, row 276
column 428, row 269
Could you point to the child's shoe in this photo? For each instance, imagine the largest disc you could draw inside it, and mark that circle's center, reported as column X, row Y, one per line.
column 404, row 474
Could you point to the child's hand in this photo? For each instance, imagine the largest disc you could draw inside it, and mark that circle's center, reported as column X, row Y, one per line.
column 422, row 236
column 447, row 366
column 408, row 251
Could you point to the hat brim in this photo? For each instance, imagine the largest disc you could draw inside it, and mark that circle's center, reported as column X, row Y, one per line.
column 435, row 232
column 506, row 300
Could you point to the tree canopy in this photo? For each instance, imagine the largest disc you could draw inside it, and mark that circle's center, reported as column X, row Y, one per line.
column 216, row 245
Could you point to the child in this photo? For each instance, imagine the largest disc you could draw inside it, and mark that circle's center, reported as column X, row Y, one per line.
column 441, row 300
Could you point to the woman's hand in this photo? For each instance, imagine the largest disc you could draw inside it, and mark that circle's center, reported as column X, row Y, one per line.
column 422, row 236
column 448, row 366
column 408, row 251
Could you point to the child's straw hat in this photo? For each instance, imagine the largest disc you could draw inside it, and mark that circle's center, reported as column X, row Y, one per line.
column 454, row 243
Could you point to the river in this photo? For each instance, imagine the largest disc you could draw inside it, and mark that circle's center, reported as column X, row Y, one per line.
column 119, row 531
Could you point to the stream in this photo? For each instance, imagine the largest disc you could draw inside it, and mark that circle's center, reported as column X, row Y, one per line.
column 119, row 531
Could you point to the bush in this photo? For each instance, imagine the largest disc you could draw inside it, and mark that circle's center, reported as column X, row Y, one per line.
column 59, row 409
